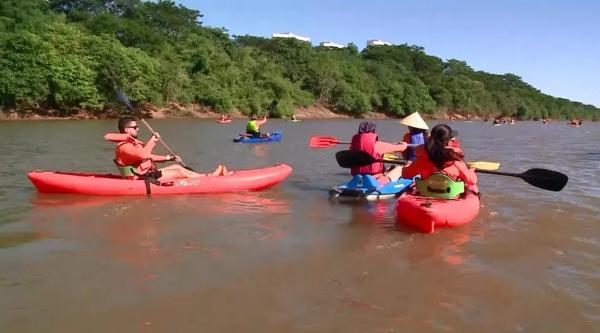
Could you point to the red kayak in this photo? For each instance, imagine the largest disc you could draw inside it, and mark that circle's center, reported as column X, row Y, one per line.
column 225, row 121
column 426, row 214
column 108, row 184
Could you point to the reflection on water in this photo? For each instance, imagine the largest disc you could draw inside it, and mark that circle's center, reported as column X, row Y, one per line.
column 136, row 230
column 288, row 258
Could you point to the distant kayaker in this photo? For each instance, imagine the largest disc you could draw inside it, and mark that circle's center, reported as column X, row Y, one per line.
column 253, row 126
column 367, row 140
column 417, row 132
column 439, row 155
column 293, row 117
column 135, row 159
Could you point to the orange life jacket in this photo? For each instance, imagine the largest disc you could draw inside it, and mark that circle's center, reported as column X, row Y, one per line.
column 142, row 166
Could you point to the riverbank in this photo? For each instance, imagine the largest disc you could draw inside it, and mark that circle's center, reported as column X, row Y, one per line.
column 196, row 111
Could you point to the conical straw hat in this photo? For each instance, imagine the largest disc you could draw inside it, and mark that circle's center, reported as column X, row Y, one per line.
column 414, row 120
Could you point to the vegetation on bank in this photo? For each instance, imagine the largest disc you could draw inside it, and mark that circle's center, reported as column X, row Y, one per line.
column 69, row 55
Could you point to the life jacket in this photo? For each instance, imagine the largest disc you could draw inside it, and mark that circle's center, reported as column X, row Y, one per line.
column 366, row 143
column 137, row 169
column 456, row 170
column 251, row 127
column 409, row 153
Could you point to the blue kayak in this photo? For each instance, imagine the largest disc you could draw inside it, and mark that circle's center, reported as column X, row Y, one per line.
column 274, row 137
column 367, row 187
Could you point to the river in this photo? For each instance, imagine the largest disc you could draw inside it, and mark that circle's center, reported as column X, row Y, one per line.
column 287, row 259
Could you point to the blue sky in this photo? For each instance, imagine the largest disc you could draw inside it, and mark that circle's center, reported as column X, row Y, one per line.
column 553, row 45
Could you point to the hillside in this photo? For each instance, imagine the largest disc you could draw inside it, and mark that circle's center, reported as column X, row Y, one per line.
column 65, row 57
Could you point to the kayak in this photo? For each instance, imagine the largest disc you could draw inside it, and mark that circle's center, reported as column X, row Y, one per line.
column 426, row 214
column 109, row 184
column 226, row 121
column 275, row 137
column 367, row 187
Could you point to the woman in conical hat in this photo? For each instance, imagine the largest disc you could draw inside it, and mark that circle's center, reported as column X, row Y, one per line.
column 417, row 133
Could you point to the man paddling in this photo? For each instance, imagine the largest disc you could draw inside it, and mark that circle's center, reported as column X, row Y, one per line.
column 135, row 159
column 253, row 127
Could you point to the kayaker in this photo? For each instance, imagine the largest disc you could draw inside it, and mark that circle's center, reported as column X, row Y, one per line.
column 135, row 159
column 417, row 132
column 253, row 126
column 367, row 140
column 440, row 154
column 294, row 117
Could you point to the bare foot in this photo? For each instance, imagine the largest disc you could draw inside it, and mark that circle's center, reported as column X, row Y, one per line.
column 221, row 170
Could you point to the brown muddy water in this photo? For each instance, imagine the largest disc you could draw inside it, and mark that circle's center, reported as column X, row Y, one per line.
column 287, row 259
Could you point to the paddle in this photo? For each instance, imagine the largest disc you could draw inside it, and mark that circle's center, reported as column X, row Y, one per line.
column 545, row 179
column 350, row 159
column 123, row 98
column 324, row 141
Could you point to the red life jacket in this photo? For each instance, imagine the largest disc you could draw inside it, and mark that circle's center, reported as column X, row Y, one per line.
column 366, row 143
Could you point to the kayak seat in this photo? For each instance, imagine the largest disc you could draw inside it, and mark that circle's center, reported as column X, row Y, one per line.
column 127, row 171
column 439, row 185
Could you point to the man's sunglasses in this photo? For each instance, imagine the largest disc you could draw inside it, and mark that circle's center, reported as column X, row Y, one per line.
column 134, row 127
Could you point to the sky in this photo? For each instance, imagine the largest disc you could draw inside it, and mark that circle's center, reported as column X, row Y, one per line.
column 553, row 45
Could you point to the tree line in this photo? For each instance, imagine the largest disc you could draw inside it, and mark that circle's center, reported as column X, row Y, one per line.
column 70, row 55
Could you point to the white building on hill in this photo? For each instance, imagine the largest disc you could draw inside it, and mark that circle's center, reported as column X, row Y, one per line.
column 332, row 44
column 377, row 42
column 290, row 35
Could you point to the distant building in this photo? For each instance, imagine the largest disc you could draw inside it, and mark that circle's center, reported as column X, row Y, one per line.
column 290, row 35
column 377, row 42
column 332, row 44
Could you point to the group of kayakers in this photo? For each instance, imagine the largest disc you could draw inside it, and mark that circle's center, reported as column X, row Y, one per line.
column 576, row 122
column 438, row 152
column 502, row 120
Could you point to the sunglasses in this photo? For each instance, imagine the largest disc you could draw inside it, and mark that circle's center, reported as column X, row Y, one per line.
column 134, row 127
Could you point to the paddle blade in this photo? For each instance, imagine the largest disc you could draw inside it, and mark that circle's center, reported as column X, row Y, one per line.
column 323, row 141
column 483, row 165
column 351, row 159
column 545, row 179
column 123, row 98
column 390, row 157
